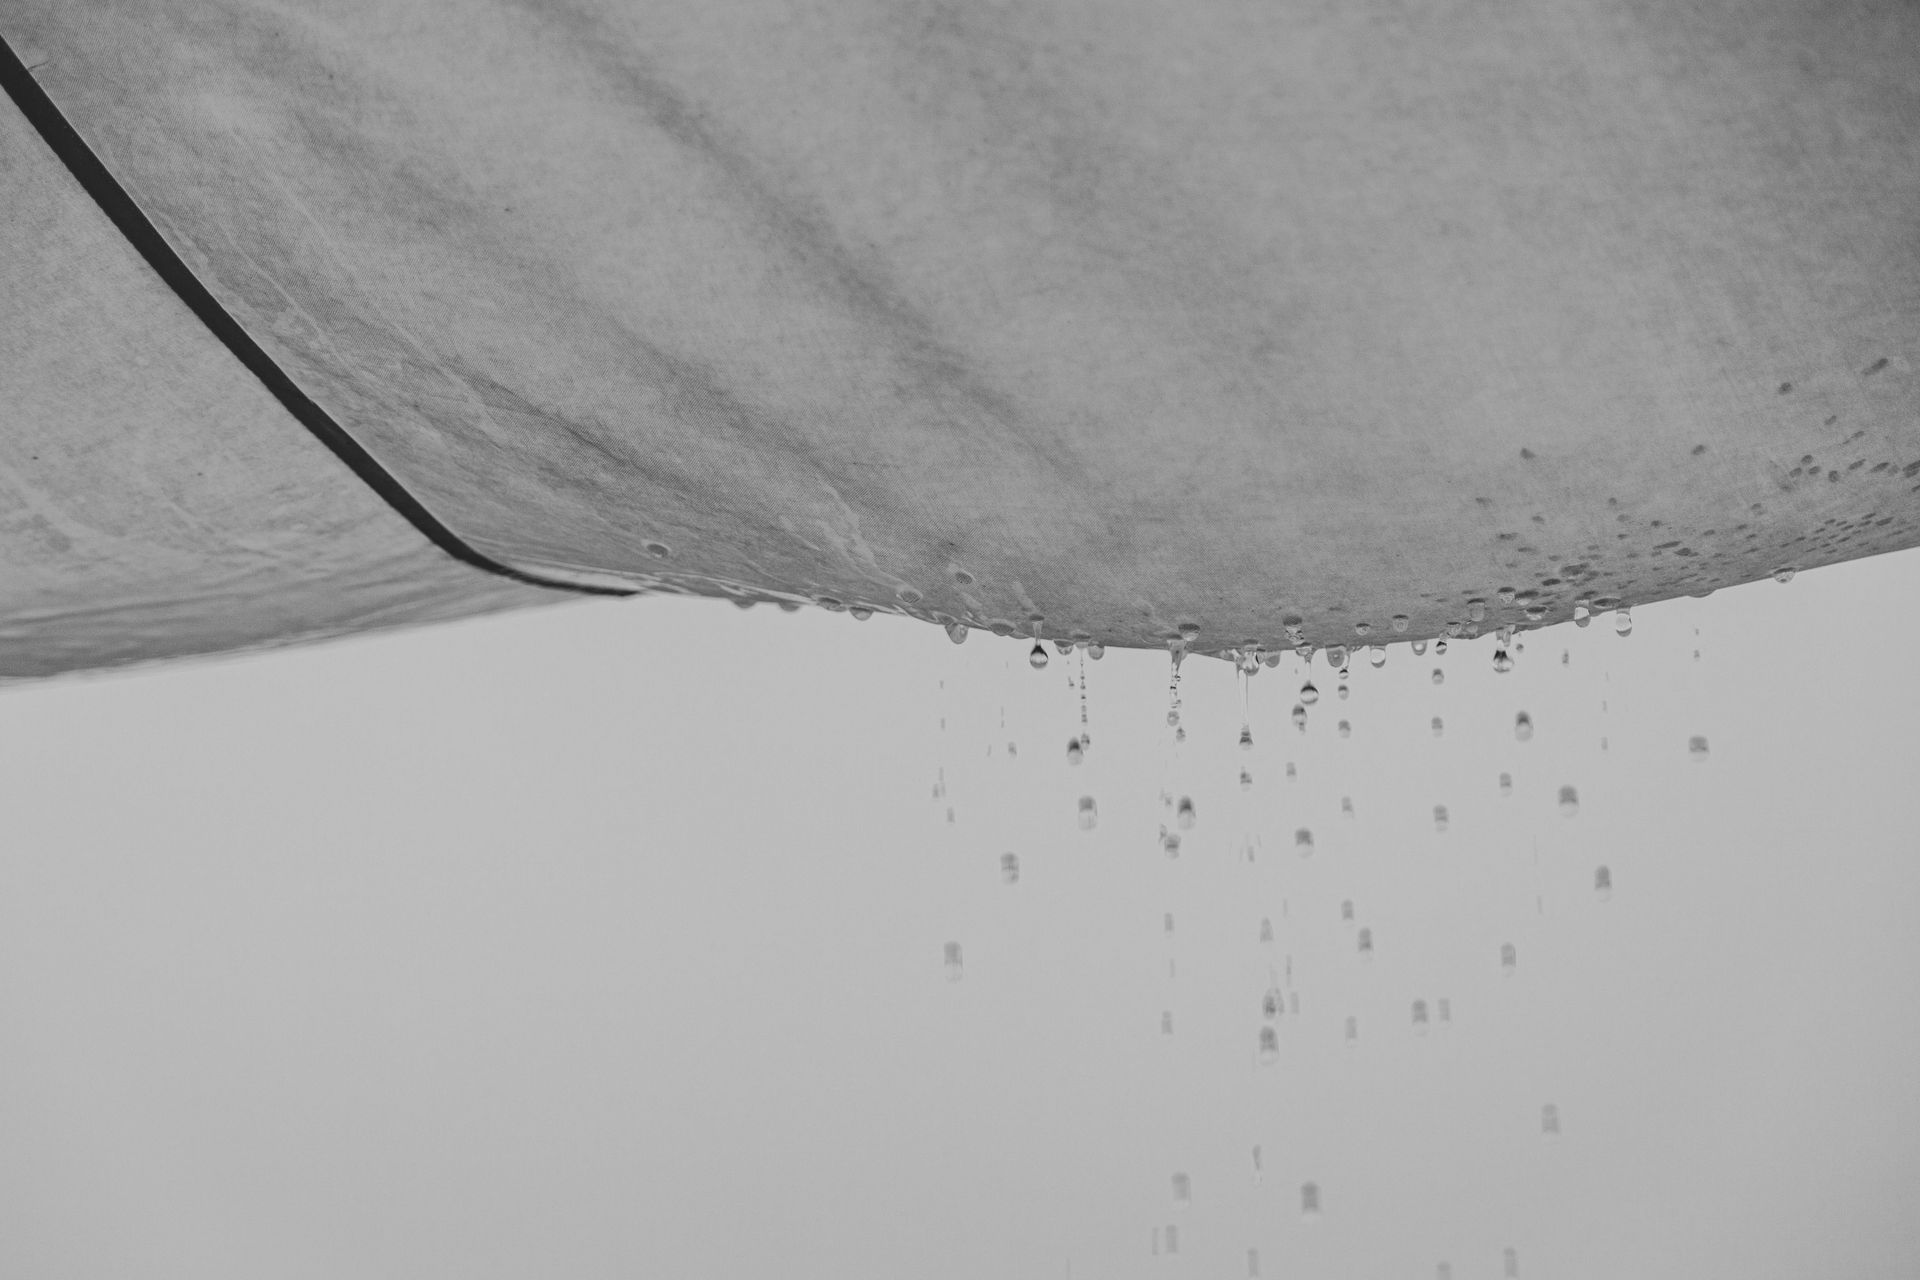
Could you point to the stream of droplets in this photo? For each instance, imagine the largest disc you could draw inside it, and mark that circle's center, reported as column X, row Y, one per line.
column 1275, row 1019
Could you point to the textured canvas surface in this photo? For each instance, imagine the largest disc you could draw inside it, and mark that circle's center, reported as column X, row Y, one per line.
column 1116, row 315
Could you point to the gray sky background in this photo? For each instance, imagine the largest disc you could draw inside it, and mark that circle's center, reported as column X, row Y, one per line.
column 607, row 940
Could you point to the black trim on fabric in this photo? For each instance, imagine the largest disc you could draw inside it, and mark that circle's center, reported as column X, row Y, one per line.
column 146, row 239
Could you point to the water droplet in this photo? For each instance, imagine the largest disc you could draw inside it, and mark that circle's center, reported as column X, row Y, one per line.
column 1342, row 690
column 1299, row 719
column 1308, row 694
column 1439, row 676
column 1258, row 1168
column 1477, row 610
column 957, row 632
column 1346, row 909
column 1353, row 1030
column 1366, row 944
column 1550, row 1122
column 953, row 962
column 1399, row 622
column 1309, row 1200
column 1440, row 645
column 1167, row 917
column 1377, row 655
column 1783, row 575
column 1303, row 842
column 1246, row 738
column 1439, row 726
column 1166, row 1022
column 1506, row 784
column 1337, row 656
column 1623, row 621
column 1184, row 814
column 1013, row 748
column 1089, row 815
column 1189, row 632
column 1440, row 818
column 1523, row 727
column 829, row 603
column 1697, row 747
column 1508, row 958
column 659, row 549
column 1170, row 844
column 1037, row 657
column 1346, row 805
column 1266, row 929
column 1074, row 750
column 1501, row 661
column 1173, row 1239
column 1419, row 648
column 1346, row 730
column 1419, row 1017
column 1302, row 722
column 1509, row 1263
column 860, row 613
column 1182, row 1190
column 1582, row 613
column 1096, row 650
column 1569, row 802
column 1603, row 883
column 1269, row 1046
column 1272, row 1004
column 1010, row 868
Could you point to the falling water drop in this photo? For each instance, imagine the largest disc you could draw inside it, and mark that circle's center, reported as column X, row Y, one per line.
column 1184, row 815
column 1167, row 921
column 1444, row 1271
column 1419, row 1017
column 1182, row 1191
column 1569, row 802
column 1508, row 958
column 1399, row 622
column 1439, row 726
column 1266, row 929
column 1440, row 818
column 1602, row 883
column 1075, row 749
column 1170, row 843
column 1303, row 842
column 1258, row 1168
column 1353, row 1030
column 1783, row 575
column 1173, row 1239
column 1269, row 1051
column 957, row 632
column 1089, row 815
column 1366, row 944
column 1523, row 727
column 1509, row 1263
column 1550, row 1122
column 1253, row 1264
column 1037, row 657
column 1502, row 663
column 1010, row 868
column 1377, row 655
column 1346, row 909
column 953, row 962
column 1506, row 784
column 1166, row 1022
column 1341, row 691
column 1272, row 1004
column 1445, row 1008
column 1309, row 1200
column 1439, row 676
column 1697, row 747
column 1299, row 717
column 1290, row 770
column 1246, row 780
column 1440, row 647
column 1346, row 805
column 1346, row 730
column 1308, row 694
column 1623, row 621
column 1246, row 738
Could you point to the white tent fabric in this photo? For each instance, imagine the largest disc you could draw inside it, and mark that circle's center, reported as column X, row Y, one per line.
column 1275, row 320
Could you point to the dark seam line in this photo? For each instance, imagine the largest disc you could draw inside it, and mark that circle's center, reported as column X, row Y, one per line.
column 146, row 239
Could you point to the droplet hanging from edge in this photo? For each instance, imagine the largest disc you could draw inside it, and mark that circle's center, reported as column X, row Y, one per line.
column 1440, row 646
column 1309, row 1200
column 1308, row 694
column 1506, row 784
column 1523, row 727
column 1419, row 648
column 1550, row 1122
column 1089, row 815
column 1037, row 656
column 1439, row 817
column 1603, row 883
column 860, row 612
column 1303, row 842
column 1582, row 614
column 1010, row 868
column 1502, row 663
column 956, row 631
column 1569, row 802
column 1783, row 575
column 1697, row 747
column 1336, row 656
column 1096, row 650
column 1508, row 958
column 1623, row 621
column 1376, row 655
column 1269, row 1051
column 1183, row 816
column 953, row 962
